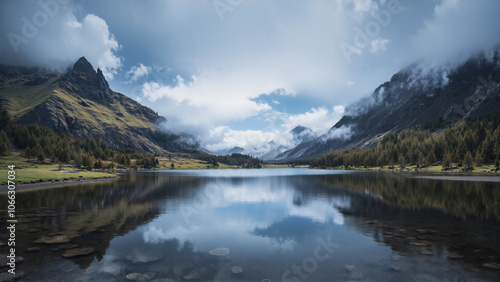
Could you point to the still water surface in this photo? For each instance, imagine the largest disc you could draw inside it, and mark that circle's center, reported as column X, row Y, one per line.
column 253, row 225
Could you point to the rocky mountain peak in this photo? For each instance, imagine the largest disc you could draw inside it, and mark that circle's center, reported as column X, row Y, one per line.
column 101, row 81
column 298, row 130
column 86, row 82
column 82, row 66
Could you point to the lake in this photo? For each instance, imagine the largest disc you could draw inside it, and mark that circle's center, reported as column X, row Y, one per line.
column 261, row 225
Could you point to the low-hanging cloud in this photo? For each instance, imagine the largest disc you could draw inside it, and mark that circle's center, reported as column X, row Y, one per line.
column 457, row 30
column 49, row 35
column 343, row 133
column 257, row 142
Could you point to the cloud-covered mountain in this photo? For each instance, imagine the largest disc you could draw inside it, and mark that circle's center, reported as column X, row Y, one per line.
column 414, row 96
column 269, row 151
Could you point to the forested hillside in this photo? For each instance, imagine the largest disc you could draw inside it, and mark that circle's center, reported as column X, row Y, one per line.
column 41, row 143
column 471, row 142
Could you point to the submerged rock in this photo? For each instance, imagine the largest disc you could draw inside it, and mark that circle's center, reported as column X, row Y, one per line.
column 159, row 268
column 454, row 255
column 53, row 240
column 237, row 269
column 350, row 267
column 78, row 252
column 492, row 265
column 177, row 270
column 33, row 249
column 426, row 252
column 194, row 274
column 419, row 244
column 356, row 275
column 219, row 252
column 396, row 267
column 136, row 276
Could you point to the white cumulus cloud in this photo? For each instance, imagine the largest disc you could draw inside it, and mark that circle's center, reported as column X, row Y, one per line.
column 136, row 72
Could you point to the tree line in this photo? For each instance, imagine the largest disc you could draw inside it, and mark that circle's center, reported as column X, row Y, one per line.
column 40, row 143
column 235, row 159
column 471, row 142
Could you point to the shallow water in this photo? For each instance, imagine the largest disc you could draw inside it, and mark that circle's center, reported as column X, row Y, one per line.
column 279, row 224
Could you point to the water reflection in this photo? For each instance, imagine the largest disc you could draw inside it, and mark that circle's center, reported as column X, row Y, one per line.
column 159, row 225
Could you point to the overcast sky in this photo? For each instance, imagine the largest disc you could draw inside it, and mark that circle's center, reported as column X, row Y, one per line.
column 245, row 72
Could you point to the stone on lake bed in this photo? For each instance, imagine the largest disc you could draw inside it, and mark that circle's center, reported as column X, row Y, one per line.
column 396, row 267
column 455, row 255
column 356, row 275
column 159, row 268
column 53, row 240
column 78, row 252
column 192, row 275
column 219, row 252
column 237, row 269
column 492, row 265
column 350, row 267
column 33, row 249
column 177, row 270
column 426, row 252
column 420, row 244
column 135, row 276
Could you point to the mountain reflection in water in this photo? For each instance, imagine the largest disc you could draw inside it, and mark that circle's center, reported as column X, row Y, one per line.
column 163, row 224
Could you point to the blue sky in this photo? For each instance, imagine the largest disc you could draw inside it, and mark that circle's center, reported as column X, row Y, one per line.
column 245, row 72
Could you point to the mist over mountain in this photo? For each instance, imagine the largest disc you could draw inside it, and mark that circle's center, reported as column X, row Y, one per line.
column 269, row 151
column 81, row 103
column 414, row 96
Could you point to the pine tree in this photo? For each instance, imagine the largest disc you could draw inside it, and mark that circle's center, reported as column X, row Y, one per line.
column 402, row 162
column 468, row 162
column 431, row 158
column 479, row 157
column 41, row 156
column 4, row 143
column 447, row 161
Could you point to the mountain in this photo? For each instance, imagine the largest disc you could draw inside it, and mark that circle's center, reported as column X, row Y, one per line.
column 414, row 96
column 269, row 151
column 235, row 150
column 80, row 102
column 299, row 134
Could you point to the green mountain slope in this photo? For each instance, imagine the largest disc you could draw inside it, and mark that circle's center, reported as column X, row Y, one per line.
column 81, row 103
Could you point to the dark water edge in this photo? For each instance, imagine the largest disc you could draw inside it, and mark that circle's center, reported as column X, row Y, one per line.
column 382, row 226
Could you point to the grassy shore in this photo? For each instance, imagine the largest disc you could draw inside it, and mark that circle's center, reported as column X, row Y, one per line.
column 34, row 171
column 435, row 168
column 27, row 172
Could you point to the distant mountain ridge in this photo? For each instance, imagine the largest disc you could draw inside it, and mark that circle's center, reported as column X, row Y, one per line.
column 81, row 103
column 272, row 149
column 409, row 99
